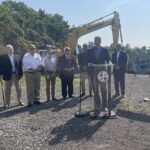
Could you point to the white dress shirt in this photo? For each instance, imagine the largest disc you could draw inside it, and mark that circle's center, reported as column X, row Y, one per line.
column 31, row 61
column 118, row 53
column 12, row 62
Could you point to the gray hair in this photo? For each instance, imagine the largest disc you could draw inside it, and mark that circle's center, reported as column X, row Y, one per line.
column 32, row 46
column 66, row 49
column 10, row 47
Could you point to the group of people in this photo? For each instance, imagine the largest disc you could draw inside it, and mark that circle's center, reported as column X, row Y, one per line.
column 11, row 68
column 100, row 55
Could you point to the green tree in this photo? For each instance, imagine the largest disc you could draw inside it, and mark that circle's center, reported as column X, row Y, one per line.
column 21, row 25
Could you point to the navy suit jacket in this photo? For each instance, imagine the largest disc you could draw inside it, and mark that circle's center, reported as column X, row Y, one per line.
column 1, row 69
column 122, row 61
column 7, row 67
column 93, row 58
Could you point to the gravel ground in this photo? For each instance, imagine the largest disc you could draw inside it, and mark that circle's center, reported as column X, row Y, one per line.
column 53, row 126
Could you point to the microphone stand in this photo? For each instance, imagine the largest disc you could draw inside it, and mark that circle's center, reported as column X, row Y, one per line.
column 80, row 114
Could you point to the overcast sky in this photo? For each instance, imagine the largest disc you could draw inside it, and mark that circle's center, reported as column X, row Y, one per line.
column 134, row 15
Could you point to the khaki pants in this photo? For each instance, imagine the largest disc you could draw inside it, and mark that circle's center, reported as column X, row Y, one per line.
column 100, row 94
column 50, row 80
column 83, row 77
column 33, row 86
column 8, row 85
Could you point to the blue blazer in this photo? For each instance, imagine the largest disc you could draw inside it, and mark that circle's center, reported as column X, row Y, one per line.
column 101, row 59
column 6, row 67
column 122, row 61
column 1, row 69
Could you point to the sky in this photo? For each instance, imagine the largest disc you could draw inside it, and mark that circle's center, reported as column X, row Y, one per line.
column 134, row 17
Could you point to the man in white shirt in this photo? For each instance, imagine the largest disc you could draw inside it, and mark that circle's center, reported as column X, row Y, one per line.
column 12, row 73
column 32, row 63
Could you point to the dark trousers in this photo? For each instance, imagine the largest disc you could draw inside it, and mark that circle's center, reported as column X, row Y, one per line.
column 67, row 86
column 119, row 80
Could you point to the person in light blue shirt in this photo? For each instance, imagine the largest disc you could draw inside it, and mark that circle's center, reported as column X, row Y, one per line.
column 49, row 64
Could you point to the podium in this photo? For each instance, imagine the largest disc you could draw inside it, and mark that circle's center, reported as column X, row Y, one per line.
column 101, row 78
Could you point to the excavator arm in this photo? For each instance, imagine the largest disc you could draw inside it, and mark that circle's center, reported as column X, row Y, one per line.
column 97, row 24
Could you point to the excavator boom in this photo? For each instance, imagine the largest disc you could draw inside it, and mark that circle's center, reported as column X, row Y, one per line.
column 97, row 24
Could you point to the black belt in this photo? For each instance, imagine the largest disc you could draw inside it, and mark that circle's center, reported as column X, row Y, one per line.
column 32, row 72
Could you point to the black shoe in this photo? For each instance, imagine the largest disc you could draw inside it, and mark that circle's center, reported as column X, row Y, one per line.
column 29, row 105
column 48, row 100
column 94, row 116
column 54, row 99
column 64, row 98
column 71, row 96
column 116, row 95
column 122, row 96
column 90, row 95
column 82, row 94
column 37, row 102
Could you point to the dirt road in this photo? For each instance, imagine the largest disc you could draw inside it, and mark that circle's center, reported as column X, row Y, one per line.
column 53, row 126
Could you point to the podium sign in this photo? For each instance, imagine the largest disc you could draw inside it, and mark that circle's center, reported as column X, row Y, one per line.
column 102, row 87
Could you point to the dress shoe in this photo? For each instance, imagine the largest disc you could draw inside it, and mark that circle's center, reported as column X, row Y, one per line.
column 48, row 99
column 37, row 102
column 122, row 96
column 116, row 95
column 54, row 99
column 29, row 105
column 64, row 98
column 82, row 94
column 94, row 115
column 90, row 95
column 21, row 103
column 6, row 106
column 71, row 96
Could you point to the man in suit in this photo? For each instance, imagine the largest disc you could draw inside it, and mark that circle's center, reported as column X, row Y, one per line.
column 98, row 55
column 82, row 59
column 66, row 65
column 12, row 73
column 119, row 58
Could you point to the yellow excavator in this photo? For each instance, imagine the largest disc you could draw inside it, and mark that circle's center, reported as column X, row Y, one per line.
column 97, row 24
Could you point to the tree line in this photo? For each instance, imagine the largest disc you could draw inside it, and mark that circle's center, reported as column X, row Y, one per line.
column 21, row 25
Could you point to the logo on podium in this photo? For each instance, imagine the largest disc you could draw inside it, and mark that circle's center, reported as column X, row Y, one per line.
column 103, row 76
